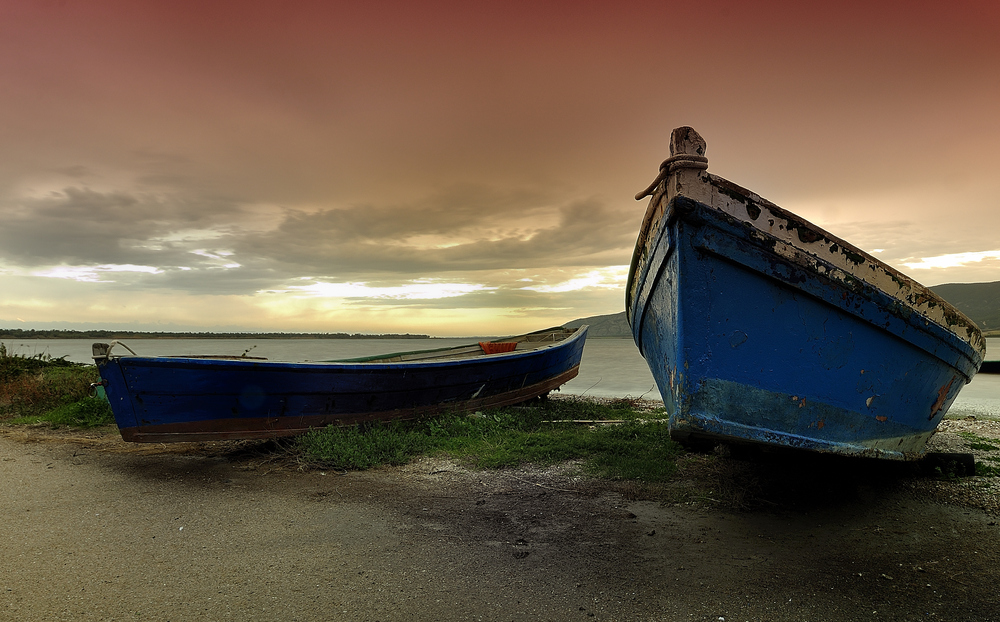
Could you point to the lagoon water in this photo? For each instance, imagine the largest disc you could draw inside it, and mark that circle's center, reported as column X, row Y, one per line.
column 610, row 368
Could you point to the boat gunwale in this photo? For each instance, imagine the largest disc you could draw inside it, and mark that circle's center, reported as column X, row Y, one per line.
column 566, row 333
column 635, row 317
column 236, row 363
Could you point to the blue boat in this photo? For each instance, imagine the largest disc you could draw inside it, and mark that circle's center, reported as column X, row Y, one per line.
column 760, row 327
column 169, row 399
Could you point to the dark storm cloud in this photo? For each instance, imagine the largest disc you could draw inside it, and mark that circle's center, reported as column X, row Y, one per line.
column 485, row 231
column 200, row 245
column 460, row 207
column 507, row 295
column 80, row 226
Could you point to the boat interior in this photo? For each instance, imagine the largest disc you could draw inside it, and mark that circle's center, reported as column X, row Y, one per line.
column 519, row 343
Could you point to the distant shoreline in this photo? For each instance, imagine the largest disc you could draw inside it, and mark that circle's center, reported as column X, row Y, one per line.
column 134, row 334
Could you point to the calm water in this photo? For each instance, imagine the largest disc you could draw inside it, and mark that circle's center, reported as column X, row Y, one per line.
column 610, row 368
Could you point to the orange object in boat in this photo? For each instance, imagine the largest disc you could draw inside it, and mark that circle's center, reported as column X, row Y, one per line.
column 492, row 347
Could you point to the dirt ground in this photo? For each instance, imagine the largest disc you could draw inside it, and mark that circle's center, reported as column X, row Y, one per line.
column 97, row 529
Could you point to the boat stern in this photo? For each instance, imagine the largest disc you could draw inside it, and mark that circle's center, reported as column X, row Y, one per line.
column 115, row 388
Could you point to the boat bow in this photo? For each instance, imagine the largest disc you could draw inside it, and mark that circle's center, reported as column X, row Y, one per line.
column 736, row 302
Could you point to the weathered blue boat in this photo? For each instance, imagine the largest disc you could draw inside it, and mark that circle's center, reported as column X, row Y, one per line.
column 761, row 327
column 167, row 399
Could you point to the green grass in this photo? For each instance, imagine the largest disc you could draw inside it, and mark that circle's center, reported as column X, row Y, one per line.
column 362, row 447
column 987, row 470
column 637, row 447
column 88, row 412
column 986, row 466
column 979, row 443
column 983, row 447
column 39, row 388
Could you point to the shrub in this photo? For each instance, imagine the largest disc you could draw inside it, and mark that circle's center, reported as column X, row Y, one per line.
column 42, row 387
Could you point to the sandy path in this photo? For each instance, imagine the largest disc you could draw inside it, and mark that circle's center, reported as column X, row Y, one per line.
column 91, row 532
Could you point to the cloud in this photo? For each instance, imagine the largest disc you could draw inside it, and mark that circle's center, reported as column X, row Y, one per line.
column 92, row 274
column 81, row 226
column 188, row 242
column 460, row 209
column 953, row 260
column 338, row 161
column 469, row 229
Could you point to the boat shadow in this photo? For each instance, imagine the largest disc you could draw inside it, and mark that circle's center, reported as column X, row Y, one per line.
column 750, row 477
column 200, row 464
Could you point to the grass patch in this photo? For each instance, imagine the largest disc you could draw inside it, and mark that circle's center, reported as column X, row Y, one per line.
column 636, row 447
column 979, row 443
column 983, row 447
column 361, row 447
column 987, row 470
column 88, row 412
column 41, row 388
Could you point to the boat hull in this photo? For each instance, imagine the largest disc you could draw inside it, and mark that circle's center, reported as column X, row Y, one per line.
column 752, row 340
column 168, row 399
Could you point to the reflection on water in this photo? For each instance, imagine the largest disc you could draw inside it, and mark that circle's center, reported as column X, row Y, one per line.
column 610, row 368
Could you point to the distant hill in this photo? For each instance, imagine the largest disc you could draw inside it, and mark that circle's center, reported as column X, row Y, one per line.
column 979, row 301
column 614, row 325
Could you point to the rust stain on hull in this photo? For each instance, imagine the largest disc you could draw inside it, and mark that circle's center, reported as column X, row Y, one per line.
column 942, row 396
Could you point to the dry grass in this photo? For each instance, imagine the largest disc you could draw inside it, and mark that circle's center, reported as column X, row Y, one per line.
column 36, row 385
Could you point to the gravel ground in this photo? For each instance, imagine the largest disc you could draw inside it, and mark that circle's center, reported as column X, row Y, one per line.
column 97, row 529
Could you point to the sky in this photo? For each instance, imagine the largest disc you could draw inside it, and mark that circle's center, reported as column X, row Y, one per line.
column 462, row 168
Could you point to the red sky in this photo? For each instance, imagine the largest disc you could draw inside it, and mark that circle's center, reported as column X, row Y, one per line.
column 458, row 167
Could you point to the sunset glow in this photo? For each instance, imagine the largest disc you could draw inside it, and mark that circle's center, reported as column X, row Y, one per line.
column 953, row 260
column 451, row 168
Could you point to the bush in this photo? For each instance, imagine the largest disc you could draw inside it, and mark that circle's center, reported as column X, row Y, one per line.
column 39, row 387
